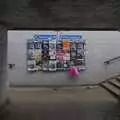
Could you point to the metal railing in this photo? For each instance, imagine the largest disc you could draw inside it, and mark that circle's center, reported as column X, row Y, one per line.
column 112, row 60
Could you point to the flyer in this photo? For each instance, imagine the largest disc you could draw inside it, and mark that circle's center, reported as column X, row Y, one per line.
column 66, row 45
column 52, row 65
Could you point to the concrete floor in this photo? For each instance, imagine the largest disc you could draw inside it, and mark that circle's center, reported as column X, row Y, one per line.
column 62, row 104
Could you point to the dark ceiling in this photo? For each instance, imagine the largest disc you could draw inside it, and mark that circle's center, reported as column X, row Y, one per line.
column 60, row 14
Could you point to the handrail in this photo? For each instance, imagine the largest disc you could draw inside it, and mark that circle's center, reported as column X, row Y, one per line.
column 111, row 60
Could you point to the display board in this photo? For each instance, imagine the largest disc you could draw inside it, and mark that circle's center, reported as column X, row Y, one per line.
column 55, row 52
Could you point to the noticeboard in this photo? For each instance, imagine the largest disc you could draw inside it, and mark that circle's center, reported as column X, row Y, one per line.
column 55, row 52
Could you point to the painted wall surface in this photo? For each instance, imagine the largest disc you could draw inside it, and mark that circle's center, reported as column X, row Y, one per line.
column 101, row 45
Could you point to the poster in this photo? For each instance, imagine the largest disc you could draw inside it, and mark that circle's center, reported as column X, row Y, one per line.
column 55, row 52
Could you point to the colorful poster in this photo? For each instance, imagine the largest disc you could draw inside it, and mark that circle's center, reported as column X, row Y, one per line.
column 66, row 45
column 55, row 52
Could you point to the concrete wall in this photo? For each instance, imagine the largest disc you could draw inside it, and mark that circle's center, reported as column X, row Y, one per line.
column 3, row 60
column 53, row 14
column 101, row 45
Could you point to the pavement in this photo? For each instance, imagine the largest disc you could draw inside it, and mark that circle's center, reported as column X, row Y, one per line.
column 69, row 103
